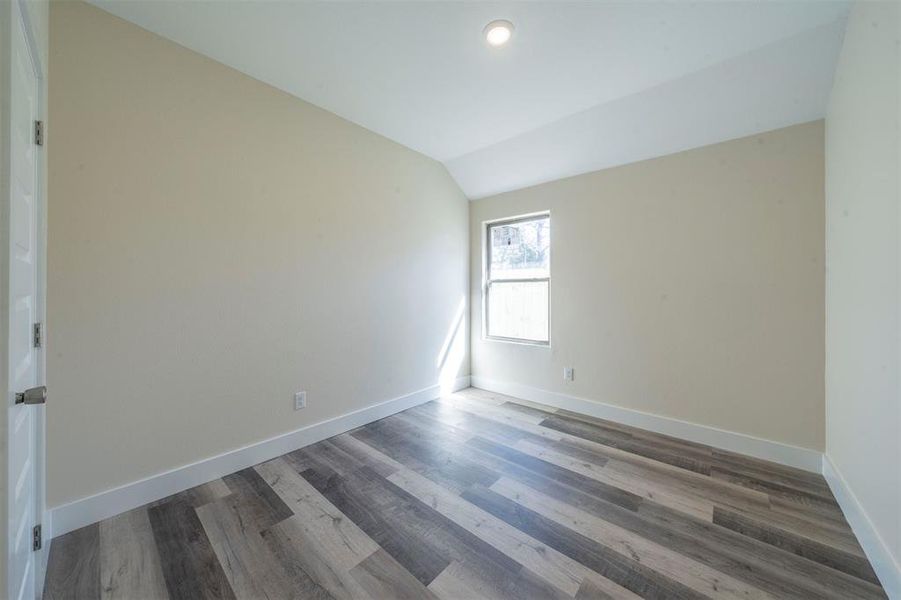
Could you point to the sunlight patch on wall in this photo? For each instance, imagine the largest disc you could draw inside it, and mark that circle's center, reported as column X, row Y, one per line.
column 450, row 359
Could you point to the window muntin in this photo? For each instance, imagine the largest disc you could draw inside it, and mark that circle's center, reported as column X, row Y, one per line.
column 518, row 270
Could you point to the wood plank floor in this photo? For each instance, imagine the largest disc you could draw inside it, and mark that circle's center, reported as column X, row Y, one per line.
column 480, row 496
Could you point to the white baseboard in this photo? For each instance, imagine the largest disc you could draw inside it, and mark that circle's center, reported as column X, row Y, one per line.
column 887, row 569
column 92, row 509
column 785, row 454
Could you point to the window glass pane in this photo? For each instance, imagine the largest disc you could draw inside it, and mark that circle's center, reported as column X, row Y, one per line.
column 518, row 309
column 520, row 250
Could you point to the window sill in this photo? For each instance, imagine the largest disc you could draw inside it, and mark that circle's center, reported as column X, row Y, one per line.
column 518, row 342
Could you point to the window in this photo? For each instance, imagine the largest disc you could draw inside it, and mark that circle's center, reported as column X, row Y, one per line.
column 518, row 280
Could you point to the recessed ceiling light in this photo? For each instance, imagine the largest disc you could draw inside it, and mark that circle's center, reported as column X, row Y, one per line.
column 498, row 33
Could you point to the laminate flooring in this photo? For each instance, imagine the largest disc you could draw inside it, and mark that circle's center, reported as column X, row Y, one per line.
column 479, row 495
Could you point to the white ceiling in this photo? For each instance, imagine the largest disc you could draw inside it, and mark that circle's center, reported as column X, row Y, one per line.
column 581, row 86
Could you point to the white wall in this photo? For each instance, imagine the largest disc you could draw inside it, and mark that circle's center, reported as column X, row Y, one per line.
column 216, row 245
column 863, row 257
column 688, row 286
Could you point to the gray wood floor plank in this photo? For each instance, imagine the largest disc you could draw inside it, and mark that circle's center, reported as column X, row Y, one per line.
column 329, row 453
column 769, row 471
column 259, row 503
column 600, row 588
column 415, row 534
column 246, row 561
column 852, row 564
column 555, row 568
column 595, row 434
column 649, row 489
column 456, row 471
column 540, row 435
column 487, row 428
column 530, row 408
column 339, row 540
column 696, row 451
column 73, row 572
column 356, row 449
column 667, row 563
column 409, row 458
column 480, row 496
column 783, row 575
column 498, row 412
column 548, row 564
column 188, row 561
column 626, row 572
column 559, row 473
column 640, row 441
column 383, row 577
column 292, row 559
column 790, row 575
column 696, row 484
column 454, row 582
column 398, row 526
column 329, row 543
column 841, row 540
column 129, row 562
column 804, row 511
column 819, row 498
column 298, row 549
column 477, row 580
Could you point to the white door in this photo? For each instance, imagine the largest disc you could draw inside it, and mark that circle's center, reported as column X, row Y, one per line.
column 23, row 310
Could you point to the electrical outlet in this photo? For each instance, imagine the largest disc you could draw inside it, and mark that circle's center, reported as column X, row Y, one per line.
column 300, row 400
column 568, row 373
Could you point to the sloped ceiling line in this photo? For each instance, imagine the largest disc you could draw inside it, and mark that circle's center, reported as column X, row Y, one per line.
column 582, row 85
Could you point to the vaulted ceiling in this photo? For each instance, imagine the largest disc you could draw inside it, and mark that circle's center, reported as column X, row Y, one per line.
column 581, row 86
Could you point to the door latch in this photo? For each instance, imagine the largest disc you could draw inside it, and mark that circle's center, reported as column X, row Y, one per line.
column 35, row 395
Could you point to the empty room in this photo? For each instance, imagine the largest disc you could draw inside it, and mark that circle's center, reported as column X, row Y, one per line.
column 460, row 300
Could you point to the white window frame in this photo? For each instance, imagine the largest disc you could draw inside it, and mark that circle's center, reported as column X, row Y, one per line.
column 487, row 281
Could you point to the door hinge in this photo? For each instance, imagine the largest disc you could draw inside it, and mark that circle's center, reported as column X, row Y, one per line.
column 37, row 335
column 39, row 133
column 36, row 538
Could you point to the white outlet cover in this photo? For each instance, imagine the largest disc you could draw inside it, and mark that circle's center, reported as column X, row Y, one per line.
column 300, row 400
column 568, row 373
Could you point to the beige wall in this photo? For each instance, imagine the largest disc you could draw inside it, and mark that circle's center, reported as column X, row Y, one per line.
column 216, row 245
column 863, row 325
column 689, row 286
